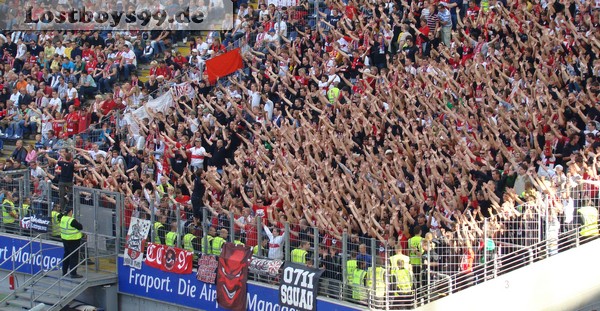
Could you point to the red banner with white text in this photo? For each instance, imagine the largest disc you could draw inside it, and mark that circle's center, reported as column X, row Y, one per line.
column 169, row 259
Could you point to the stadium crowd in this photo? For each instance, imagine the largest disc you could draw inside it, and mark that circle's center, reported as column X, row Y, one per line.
column 382, row 120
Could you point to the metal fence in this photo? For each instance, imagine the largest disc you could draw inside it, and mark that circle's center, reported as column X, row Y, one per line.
column 381, row 275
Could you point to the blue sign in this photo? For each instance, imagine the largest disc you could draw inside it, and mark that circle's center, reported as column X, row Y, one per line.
column 15, row 253
column 185, row 290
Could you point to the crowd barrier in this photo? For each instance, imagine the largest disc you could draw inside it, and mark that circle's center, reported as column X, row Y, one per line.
column 447, row 262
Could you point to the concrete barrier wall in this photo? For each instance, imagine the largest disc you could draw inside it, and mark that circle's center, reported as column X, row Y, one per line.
column 567, row 281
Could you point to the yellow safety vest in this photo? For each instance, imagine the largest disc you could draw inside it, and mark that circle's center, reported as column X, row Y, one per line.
column 162, row 189
column 358, row 285
column 590, row 221
column 25, row 210
column 55, row 224
column 379, row 280
column 350, row 268
column 333, row 94
column 7, row 218
column 394, row 261
column 207, row 244
column 403, row 280
column 187, row 242
column 67, row 232
column 157, row 226
column 415, row 250
column 217, row 244
column 171, row 238
column 299, row 256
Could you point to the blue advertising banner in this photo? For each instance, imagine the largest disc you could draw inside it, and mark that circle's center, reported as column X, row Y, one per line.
column 28, row 258
column 186, row 290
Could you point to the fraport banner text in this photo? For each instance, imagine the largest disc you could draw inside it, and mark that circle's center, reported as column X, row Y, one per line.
column 28, row 258
column 186, row 290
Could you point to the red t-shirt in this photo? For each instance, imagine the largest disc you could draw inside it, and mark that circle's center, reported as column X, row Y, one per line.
column 57, row 127
column 107, row 106
column 84, row 121
column 72, row 123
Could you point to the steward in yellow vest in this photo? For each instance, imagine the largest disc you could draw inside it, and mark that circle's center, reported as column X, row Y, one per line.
column 351, row 265
column 379, row 281
column 217, row 242
column 190, row 242
column 171, row 238
column 70, row 233
column 207, row 241
column 359, row 292
column 9, row 213
column 160, row 230
column 403, row 280
column 55, row 222
column 299, row 254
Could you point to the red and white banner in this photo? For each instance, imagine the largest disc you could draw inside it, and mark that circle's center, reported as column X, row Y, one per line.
column 135, row 242
column 169, row 259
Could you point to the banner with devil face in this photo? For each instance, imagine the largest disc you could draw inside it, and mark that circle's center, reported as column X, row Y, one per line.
column 232, row 276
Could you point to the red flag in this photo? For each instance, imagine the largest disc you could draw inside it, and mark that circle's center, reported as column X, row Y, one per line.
column 232, row 277
column 224, row 64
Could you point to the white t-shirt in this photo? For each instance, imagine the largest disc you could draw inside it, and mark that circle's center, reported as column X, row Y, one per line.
column 281, row 28
column 15, row 98
column 197, row 156
column 254, row 98
column 72, row 93
column 55, row 102
column 93, row 153
column 21, row 49
column 202, row 48
column 129, row 57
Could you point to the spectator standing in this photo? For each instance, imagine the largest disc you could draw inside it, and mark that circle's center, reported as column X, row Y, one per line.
column 70, row 234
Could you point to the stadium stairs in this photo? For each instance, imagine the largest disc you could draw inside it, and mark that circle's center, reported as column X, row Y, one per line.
column 51, row 291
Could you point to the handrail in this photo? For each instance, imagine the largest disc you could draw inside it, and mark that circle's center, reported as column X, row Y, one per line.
column 26, row 262
column 22, row 264
column 38, row 276
column 21, row 248
column 83, row 280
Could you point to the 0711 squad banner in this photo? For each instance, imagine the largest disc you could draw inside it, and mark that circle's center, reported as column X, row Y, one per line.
column 186, row 290
column 299, row 287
